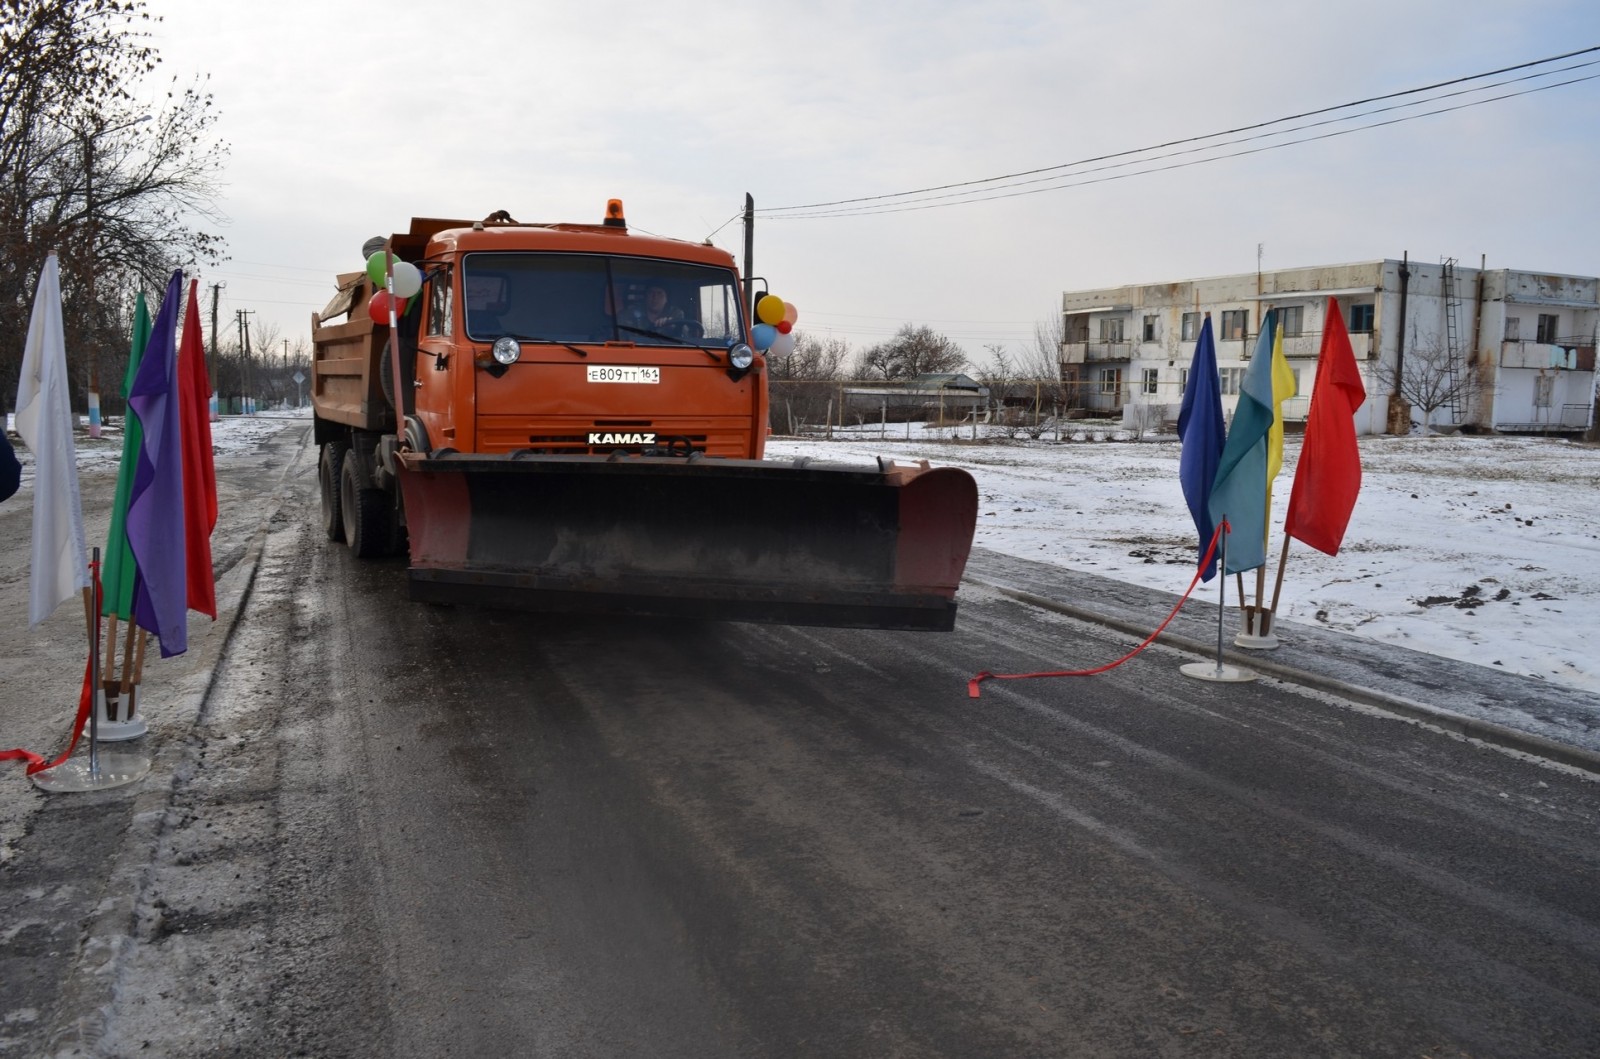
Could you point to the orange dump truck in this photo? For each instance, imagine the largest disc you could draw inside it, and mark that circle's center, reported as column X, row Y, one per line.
column 580, row 427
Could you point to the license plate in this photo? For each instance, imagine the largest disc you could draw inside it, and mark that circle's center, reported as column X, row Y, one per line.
column 616, row 373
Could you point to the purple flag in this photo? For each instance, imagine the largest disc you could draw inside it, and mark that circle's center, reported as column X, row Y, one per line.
column 155, row 508
column 1201, row 435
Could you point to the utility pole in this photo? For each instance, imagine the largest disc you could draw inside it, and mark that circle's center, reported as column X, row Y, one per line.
column 86, row 142
column 247, row 400
column 93, row 344
column 215, row 288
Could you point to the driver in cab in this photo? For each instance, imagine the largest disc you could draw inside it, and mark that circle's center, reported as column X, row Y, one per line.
column 654, row 316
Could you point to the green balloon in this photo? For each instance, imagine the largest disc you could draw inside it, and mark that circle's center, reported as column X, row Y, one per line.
column 378, row 267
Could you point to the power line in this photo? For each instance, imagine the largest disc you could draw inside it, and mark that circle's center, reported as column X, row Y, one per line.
column 931, row 203
column 997, row 183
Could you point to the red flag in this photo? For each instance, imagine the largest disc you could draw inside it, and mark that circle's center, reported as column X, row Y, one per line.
column 199, row 473
column 1329, row 475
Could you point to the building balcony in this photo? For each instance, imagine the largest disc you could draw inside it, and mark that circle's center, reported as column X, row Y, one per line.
column 1083, row 352
column 1562, row 354
column 1310, row 345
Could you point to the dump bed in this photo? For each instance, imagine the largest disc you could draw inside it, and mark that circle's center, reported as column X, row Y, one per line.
column 346, row 384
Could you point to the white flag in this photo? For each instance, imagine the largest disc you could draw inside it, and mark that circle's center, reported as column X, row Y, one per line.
column 44, row 420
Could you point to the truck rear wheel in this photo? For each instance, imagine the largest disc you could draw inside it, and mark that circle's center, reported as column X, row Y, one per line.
column 367, row 524
column 329, row 467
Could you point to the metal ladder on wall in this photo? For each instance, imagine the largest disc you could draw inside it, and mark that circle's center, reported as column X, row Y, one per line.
column 1452, row 304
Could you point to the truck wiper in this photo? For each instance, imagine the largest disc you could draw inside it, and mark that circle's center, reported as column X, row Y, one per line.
column 553, row 342
column 676, row 340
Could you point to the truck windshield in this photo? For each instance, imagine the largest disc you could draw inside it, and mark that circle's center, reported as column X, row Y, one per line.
column 591, row 298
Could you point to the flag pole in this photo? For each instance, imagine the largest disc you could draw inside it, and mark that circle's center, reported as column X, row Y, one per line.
column 109, row 673
column 124, row 722
column 1222, row 584
column 95, row 694
column 99, row 771
column 127, row 658
column 1217, row 671
column 1283, row 560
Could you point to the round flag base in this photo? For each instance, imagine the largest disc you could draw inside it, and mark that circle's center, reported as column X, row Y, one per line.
column 1218, row 673
column 1256, row 643
column 109, row 770
column 121, row 731
column 1257, row 634
column 132, row 726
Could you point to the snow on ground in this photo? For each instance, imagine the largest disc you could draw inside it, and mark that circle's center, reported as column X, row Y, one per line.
column 1481, row 549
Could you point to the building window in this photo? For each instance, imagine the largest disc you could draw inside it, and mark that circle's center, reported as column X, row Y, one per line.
column 1513, row 329
column 1111, row 380
column 1289, row 317
column 1235, row 322
column 1361, row 317
column 1111, row 329
column 1151, row 375
column 1543, row 388
column 1231, row 378
column 1547, row 328
column 1150, row 328
column 1183, row 381
column 1191, row 326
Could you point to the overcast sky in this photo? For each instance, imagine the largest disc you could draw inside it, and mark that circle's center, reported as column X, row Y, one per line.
column 345, row 121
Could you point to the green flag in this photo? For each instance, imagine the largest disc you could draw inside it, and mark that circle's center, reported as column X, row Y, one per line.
column 120, row 566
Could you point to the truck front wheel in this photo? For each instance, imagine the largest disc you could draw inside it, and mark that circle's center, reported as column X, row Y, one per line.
column 367, row 528
column 329, row 467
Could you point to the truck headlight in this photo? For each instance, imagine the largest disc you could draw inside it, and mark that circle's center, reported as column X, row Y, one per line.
column 741, row 356
column 507, row 350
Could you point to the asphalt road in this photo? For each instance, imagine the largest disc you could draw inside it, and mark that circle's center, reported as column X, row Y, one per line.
column 402, row 830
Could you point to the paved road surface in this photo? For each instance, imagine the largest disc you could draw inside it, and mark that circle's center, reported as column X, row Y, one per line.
column 414, row 831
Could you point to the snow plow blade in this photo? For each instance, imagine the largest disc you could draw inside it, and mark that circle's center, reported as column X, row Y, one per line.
column 794, row 543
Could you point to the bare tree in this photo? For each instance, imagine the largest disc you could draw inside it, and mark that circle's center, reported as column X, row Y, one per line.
column 1042, row 360
column 915, row 349
column 90, row 171
column 805, row 384
column 813, row 358
column 1433, row 379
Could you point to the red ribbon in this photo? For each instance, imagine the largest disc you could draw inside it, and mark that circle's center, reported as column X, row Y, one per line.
column 972, row 685
column 36, row 762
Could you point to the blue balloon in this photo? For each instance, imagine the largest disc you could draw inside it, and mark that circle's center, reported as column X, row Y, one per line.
column 763, row 335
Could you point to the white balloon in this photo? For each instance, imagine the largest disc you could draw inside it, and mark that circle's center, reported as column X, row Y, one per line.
column 407, row 279
column 783, row 345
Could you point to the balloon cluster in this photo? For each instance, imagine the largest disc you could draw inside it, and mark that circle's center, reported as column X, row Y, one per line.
column 775, row 332
column 407, row 282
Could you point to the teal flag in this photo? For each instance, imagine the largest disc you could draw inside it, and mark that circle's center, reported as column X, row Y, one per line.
column 120, row 567
column 1239, row 493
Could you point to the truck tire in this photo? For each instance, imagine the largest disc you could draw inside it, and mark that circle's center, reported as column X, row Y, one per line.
column 367, row 528
column 329, row 466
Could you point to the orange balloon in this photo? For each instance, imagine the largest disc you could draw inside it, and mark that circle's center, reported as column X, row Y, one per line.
column 790, row 313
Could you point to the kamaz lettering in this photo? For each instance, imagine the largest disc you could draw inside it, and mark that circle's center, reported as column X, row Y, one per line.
column 598, row 438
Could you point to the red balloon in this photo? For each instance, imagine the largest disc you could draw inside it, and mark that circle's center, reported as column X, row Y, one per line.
column 784, row 326
column 378, row 308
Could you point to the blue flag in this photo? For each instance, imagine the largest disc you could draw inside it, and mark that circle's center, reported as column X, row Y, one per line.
column 1201, row 433
column 1239, row 493
column 155, row 506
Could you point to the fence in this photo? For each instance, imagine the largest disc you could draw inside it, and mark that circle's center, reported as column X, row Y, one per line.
column 1014, row 408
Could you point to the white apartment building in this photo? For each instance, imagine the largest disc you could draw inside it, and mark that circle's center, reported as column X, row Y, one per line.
column 1495, row 349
